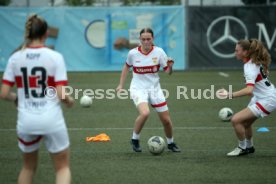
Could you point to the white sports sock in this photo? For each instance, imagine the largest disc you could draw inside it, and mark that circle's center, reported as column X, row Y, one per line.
column 169, row 140
column 135, row 136
column 242, row 144
column 249, row 143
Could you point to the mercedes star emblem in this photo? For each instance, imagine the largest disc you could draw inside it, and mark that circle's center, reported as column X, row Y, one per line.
column 215, row 39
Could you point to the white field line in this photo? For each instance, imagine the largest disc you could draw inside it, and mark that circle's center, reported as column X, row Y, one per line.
column 147, row 128
column 223, row 74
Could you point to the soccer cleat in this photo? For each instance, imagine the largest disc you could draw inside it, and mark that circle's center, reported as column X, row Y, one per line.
column 135, row 145
column 237, row 152
column 173, row 147
column 250, row 150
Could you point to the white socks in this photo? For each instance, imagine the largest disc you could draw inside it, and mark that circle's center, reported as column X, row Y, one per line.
column 249, row 143
column 135, row 136
column 242, row 144
column 169, row 140
column 246, row 143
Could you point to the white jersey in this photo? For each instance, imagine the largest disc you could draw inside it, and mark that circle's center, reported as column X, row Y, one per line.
column 34, row 70
column 146, row 67
column 254, row 76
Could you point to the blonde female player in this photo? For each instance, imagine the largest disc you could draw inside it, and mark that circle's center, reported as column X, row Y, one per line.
column 34, row 69
column 256, row 60
column 145, row 87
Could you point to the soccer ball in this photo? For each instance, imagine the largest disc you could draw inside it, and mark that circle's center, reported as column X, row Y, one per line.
column 225, row 114
column 86, row 101
column 156, row 145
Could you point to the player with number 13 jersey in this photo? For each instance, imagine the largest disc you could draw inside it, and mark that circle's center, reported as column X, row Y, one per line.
column 36, row 71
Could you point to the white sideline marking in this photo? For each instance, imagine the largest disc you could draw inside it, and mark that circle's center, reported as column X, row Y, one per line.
column 223, row 74
column 147, row 128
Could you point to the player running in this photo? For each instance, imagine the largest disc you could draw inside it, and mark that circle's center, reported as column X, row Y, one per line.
column 256, row 60
column 145, row 88
column 39, row 74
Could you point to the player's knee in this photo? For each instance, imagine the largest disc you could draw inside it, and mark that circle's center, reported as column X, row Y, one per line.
column 30, row 168
column 62, row 165
column 235, row 120
column 145, row 113
column 167, row 122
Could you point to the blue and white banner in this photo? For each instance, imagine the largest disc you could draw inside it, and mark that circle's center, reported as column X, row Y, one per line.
column 86, row 35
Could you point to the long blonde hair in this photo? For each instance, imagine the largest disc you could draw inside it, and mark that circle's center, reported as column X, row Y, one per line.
column 35, row 28
column 257, row 52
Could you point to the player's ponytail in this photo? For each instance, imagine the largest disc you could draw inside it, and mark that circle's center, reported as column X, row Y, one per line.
column 259, row 54
column 35, row 28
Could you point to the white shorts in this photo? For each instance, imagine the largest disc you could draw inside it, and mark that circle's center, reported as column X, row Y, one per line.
column 55, row 142
column 262, row 107
column 153, row 96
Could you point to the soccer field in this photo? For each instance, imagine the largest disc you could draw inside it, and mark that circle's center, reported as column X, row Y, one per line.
column 203, row 138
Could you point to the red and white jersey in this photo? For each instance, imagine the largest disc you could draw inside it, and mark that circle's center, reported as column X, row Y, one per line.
column 255, row 76
column 146, row 66
column 34, row 70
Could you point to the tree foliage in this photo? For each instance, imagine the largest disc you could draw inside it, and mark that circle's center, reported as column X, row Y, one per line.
column 255, row 2
column 5, row 2
column 80, row 2
column 157, row 2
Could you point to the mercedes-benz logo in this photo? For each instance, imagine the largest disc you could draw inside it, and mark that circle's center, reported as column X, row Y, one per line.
column 232, row 34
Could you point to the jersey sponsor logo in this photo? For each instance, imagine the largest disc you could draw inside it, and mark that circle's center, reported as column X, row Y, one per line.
column 155, row 60
column 155, row 69
column 146, row 69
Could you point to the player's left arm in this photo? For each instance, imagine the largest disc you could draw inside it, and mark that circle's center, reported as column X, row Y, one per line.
column 247, row 91
column 170, row 63
column 166, row 62
column 64, row 97
column 61, row 82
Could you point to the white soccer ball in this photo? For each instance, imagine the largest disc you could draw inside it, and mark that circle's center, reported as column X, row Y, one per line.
column 86, row 101
column 225, row 114
column 156, row 145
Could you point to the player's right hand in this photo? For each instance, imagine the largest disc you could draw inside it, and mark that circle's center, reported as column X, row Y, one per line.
column 119, row 88
column 222, row 93
column 69, row 102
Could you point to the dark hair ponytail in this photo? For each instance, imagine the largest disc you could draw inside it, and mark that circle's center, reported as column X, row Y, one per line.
column 147, row 30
